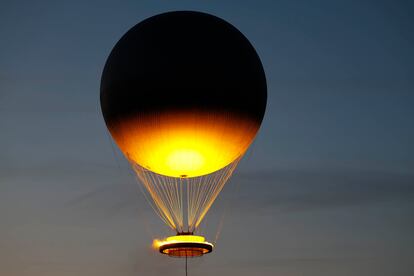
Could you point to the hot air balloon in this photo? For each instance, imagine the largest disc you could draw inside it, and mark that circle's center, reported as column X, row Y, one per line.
column 183, row 95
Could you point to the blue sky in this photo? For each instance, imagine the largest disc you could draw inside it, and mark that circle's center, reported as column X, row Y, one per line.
column 326, row 189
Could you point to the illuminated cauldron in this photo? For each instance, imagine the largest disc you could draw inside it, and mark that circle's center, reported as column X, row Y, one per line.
column 183, row 94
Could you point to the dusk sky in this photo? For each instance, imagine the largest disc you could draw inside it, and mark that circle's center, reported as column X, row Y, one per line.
column 327, row 188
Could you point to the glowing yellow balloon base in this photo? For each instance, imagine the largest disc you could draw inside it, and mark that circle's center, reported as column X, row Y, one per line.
column 186, row 144
column 184, row 245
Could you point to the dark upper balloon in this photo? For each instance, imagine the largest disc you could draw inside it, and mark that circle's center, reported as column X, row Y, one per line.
column 180, row 61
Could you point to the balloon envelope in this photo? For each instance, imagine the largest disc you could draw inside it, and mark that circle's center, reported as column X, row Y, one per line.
column 183, row 94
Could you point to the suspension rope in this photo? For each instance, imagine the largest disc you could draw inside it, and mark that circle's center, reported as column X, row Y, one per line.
column 186, row 266
column 168, row 199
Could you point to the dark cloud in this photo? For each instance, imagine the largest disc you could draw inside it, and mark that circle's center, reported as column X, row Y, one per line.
column 291, row 190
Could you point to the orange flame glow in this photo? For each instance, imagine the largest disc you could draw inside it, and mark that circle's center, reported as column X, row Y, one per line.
column 184, row 145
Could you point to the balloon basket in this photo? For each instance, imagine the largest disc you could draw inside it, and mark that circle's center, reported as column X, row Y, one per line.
column 184, row 245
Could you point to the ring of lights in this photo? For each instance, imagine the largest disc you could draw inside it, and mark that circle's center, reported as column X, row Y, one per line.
column 185, row 246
